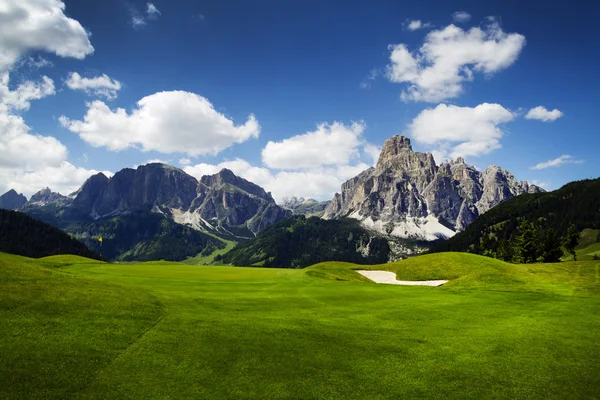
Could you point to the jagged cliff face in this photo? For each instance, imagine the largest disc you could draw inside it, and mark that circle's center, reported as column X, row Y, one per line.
column 221, row 203
column 408, row 195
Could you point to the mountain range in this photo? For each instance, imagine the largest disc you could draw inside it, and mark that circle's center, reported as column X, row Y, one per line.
column 159, row 211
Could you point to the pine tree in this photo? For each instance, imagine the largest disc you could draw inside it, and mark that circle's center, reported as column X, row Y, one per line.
column 525, row 243
column 552, row 251
column 571, row 240
column 485, row 245
column 505, row 251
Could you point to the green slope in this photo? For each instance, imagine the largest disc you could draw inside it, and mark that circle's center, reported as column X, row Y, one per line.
column 575, row 203
column 58, row 331
column 260, row 333
column 298, row 242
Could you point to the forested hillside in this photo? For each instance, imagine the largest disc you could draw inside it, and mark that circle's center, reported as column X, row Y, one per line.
column 27, row 236
column 298, row 242
column 547, row 214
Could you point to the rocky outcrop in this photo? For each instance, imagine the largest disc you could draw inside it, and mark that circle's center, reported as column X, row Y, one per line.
column 12, row 200
column 407, row 195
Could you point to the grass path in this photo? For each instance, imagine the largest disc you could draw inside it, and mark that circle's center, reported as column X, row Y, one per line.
column 499, row 331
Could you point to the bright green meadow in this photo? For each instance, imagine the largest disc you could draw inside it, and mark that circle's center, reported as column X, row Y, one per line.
column 75, row 328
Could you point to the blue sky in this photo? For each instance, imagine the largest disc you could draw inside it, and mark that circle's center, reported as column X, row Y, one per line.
column 318, row 79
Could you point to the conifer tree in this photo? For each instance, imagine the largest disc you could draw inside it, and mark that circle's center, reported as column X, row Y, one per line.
column 552, row 250
column 505, row 251
column 525, row 243
column 571, row 240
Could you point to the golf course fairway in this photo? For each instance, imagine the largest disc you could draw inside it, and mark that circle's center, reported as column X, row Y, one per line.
column 76, row 328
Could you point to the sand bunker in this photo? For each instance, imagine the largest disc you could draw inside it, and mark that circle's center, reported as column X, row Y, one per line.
column 390, row 278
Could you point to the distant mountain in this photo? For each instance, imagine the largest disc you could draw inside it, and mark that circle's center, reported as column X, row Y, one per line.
column 575, row 203
column 306, row 207
column 298, row 242
column 26, row 236
column 12, row 200
column 407, row 195
column 139, row 209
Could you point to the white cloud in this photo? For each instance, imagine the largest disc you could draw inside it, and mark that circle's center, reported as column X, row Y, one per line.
column 542, row 114
column 557, row 162
column 138, row 19
column 449, row 57
column 151, row 10
column 168, row 122
column 185, row 161
column 417, row 24
column 330, row 144
column 100, row 86
column 461, row 17
column 23, row 150
column 318, row 183
column 64, row 178
column 31, row 162
column 461, row 131
column 20, row 98
column 27, row 25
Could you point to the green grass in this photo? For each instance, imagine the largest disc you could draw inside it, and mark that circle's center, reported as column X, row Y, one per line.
column 199, row 259
column 168, row 330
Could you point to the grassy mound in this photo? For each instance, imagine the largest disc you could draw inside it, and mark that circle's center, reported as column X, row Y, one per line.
column 475, row 271
column 57, row 331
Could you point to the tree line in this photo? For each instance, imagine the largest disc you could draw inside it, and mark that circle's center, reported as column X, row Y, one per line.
column 529, row 244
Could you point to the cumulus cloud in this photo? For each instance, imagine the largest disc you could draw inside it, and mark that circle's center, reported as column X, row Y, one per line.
column 185, row 161
column 168, row 122
column 27, row 25
column 318, row 183
column 99, row 86
column 31, row 161
column 64, row 178
column 449, row 57
column 461, row 17
column 461, row 131
column 416, row 24
column 542, row 114
column 330, row 144
column 20, row 98
column 557, row 162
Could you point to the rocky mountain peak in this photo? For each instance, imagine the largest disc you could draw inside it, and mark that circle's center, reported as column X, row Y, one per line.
column 408, row 195
column 227, row 177
column 47, row 197
column 12, row 200
column 392, row 147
